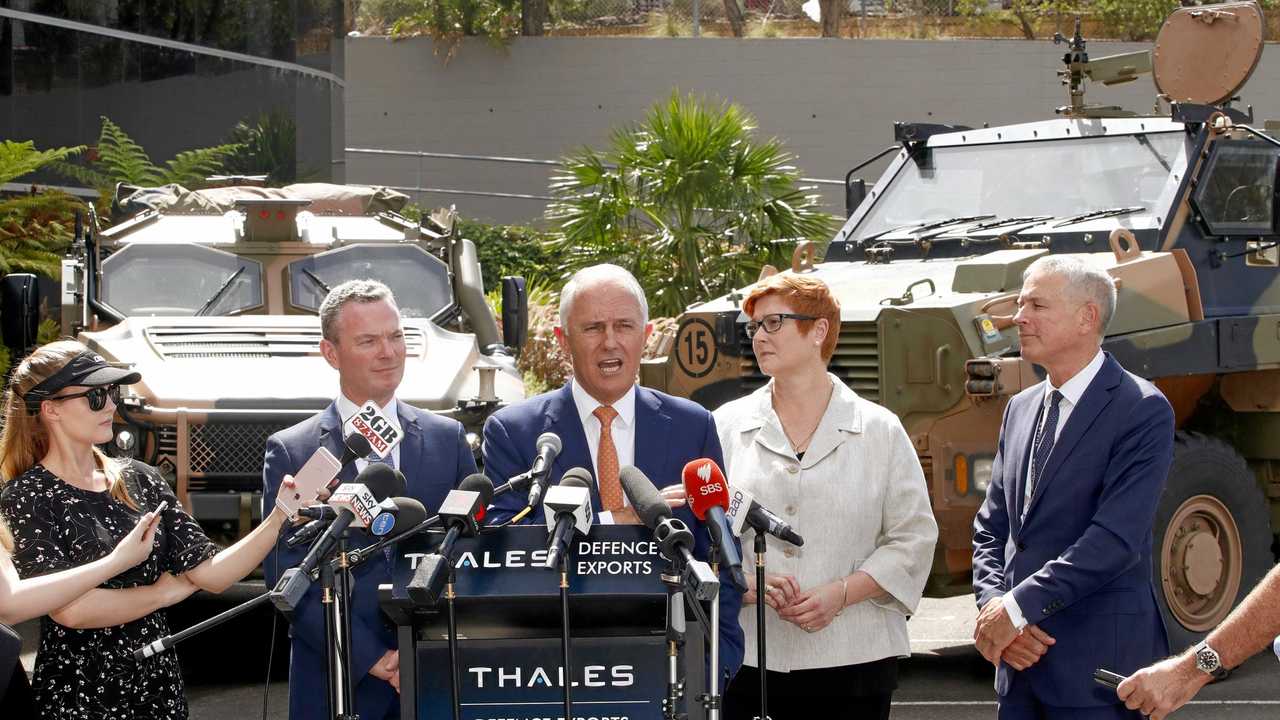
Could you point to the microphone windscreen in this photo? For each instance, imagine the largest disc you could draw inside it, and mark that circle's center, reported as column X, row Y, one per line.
column 576, row 477
column 643, row 496
column 705, row 485
column 402, row 485
column 549, row 438
column 379, row 479
column 357, row 447
column 409, row 512
column 480, row 483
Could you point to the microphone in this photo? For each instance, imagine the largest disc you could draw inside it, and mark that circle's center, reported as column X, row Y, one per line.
column 744, row 511
column 373, row 426
column 549, row 447
column 398, row 512
column 568, row 510
column 378, row 481
column 461, row 511
column 708, row 493
column 675, row 541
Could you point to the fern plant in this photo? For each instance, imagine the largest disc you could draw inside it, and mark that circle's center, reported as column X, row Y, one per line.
column 34, row 228
column 118, row 158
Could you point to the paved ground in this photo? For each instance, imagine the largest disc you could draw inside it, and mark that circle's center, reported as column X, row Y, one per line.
column 945, row 679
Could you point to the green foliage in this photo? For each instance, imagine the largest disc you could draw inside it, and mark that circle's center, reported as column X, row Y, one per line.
column 268, row 146
column 448, row 21
column 689, row 201
column 513, row 250
column 1134, row 19
column 36, row 228
column 117, row 158
column 21, row 158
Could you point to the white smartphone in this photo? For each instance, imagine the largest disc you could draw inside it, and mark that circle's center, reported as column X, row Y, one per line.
column 314, row 475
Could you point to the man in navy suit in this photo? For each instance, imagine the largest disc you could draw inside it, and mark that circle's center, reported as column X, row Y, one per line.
column 364, row 342
column 1062, row 545
column 605, row 421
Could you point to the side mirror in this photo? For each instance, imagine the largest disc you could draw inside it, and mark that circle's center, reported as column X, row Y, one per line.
column 20, row 298
column 515, row 313
column 855, row 191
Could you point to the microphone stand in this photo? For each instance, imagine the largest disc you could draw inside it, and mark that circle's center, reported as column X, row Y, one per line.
column 335, row 588
column 712, row 699
column 672, row 703
column 455, row 686
column 564, row 631
column 760, row 547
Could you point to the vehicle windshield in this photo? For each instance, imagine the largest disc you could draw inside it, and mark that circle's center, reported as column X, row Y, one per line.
column 419, row 280
column 179, row 279
column 1057, row 178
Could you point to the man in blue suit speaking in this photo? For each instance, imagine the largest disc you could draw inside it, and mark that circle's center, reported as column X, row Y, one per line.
column 364, row 342
column 605, row 422
column 1062, row 545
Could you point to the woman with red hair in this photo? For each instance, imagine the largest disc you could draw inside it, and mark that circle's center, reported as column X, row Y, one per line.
column 841, row 470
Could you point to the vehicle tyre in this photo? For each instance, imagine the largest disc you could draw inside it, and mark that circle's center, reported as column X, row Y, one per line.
column 1212, row 537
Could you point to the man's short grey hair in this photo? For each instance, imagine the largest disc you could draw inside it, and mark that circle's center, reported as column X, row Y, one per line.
column 597, row 274
column 1086, row 282
column 361, row 291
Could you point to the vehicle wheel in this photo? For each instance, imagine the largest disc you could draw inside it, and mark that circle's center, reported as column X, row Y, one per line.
column 1212, row 537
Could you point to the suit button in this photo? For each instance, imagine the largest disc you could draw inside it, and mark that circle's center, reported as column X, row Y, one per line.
column 789, row 552
column 790, row 509
column 1022, row 547
column 793, row 469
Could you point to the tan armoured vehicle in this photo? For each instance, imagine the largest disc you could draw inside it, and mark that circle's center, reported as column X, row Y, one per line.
column 1179, row 207
column 213, row 296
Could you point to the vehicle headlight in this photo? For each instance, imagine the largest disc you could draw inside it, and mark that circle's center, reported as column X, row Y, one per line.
column 982, row 474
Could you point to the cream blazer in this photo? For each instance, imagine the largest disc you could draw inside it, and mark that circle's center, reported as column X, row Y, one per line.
column 859, row 500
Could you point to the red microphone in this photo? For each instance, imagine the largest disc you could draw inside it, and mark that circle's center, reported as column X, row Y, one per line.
column 708, row 494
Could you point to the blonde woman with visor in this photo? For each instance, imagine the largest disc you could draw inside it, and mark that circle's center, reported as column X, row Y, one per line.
column 67, row 505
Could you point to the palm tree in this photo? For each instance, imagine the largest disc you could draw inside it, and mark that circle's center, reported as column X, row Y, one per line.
column 689, row 201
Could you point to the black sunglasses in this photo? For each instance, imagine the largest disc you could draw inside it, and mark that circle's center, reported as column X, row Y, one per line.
column 773, row 323
column 97, row 396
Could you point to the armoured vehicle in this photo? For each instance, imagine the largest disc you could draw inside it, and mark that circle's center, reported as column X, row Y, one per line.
column 213, row 295
column 1179, row 208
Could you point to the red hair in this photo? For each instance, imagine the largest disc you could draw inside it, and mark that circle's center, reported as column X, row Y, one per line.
column 806, row 295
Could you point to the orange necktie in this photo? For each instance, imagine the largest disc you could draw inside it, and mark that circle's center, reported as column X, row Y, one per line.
column 607, row 461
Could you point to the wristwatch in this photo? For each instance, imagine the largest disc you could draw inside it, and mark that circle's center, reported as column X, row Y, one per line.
column 1208, row 662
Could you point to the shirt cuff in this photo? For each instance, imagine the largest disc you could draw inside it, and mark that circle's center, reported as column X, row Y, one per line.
column 1015, row 613
column 604, row 517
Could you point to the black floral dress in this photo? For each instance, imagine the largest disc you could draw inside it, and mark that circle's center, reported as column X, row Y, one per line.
column 91, row 674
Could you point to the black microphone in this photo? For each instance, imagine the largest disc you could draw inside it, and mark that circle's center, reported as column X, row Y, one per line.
column 377, row 480
column 356, row 446
column 398, row 514
column 549, row 446
column 461, row 512
column 744, row 511
column 567, row 510
column 675, row 540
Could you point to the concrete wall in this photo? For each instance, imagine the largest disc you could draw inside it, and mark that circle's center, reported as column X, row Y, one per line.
column 833, row 102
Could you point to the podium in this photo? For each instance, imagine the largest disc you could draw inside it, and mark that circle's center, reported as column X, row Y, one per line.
column 507, row 608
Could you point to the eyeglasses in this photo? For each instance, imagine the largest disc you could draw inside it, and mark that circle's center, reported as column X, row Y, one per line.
column 772, row 323
column 97, row 396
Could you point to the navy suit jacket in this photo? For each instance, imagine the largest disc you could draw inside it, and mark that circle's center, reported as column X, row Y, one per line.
column 1079, row 563
column 434, row 458
column 670, row 432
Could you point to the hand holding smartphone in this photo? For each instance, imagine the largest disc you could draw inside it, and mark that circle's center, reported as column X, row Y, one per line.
column 314, row 475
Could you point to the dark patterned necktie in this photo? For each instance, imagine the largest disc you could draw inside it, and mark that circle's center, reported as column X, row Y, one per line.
column 1043, row 445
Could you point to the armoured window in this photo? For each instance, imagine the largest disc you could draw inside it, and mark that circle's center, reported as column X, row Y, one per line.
column 1236, row 194
column 419, row 280
column 180, row 279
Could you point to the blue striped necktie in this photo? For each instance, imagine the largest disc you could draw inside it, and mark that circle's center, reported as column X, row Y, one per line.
column 1043, row 446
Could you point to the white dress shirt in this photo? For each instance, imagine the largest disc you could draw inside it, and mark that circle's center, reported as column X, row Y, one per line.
column 347, row 409
column 1072, row 390
column 859, row 499
column 622, row 429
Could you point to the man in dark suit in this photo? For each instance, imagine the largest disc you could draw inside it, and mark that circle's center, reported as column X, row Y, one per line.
column 1062, row 545
column 364, row 342
column 606, row 421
